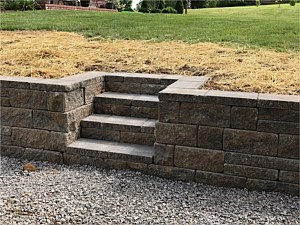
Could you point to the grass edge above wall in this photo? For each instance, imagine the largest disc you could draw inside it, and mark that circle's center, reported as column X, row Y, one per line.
column 267, row 27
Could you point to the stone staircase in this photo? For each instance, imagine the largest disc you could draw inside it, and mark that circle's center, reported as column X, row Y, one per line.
column 121, row 132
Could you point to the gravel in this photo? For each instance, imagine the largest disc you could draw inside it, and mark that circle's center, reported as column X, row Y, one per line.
column 59, row 194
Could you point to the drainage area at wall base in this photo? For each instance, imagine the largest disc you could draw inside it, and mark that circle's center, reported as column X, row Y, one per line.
column 166, row 126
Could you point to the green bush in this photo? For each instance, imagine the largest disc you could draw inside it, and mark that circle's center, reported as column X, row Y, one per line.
column 19, row 5
column 211, row 3
column 144, row 7
column 155, row 11
column 128, row 10
column 161, row 4
column 179, row 6
column 257, row 3
column 169, row 10
column 230, row 3
column 293, row 2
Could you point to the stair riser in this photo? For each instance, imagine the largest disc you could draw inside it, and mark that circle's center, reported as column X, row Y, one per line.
column 118, row 135
column 126, row 110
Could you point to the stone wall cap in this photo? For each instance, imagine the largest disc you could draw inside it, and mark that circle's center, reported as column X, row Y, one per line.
column 279, row 101
column 86, row 78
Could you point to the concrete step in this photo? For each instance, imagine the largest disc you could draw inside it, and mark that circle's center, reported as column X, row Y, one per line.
column 123, row 104
column 119, row 129
column 110, row 150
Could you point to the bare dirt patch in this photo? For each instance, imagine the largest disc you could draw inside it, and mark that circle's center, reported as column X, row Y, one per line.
column 58, row 54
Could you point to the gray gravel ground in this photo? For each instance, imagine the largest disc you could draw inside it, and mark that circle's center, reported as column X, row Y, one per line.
column 57, row 194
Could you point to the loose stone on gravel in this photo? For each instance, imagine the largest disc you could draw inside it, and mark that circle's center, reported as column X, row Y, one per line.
column 59, row 194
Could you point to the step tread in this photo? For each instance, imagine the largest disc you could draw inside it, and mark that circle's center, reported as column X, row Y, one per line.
column 126, row 96
column 122, row 120
column 115, row 150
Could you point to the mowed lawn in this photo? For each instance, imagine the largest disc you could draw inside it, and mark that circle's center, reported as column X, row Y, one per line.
column 268, row 27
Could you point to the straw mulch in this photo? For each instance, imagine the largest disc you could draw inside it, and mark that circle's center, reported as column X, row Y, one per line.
column 58, row 54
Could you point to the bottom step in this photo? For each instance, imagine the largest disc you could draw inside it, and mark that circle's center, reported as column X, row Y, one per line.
column 105, row 150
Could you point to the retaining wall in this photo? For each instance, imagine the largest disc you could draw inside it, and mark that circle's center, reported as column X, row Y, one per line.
column 243, row 140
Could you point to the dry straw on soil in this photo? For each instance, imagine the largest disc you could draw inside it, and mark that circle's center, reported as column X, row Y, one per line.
column 58, row 54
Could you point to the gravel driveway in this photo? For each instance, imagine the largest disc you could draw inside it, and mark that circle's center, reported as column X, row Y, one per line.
column 58, row 194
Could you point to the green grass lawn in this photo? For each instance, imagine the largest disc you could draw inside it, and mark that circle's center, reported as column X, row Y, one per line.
column 256, row 27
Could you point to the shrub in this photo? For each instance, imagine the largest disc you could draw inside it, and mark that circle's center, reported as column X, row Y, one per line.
column 293, row 2
column 161, row 4
column 128, row 10
column 179, row 6
column 155, row 11
column 226, row 3
column 19, row 5
column 144, row 7
column 257, row 2
column 169, row 10
column 211, row 3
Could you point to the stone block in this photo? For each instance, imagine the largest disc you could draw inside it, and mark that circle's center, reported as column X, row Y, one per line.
column 65, row 101
column 53, row 121
column 58, row 141
column 262, row 161
column 43, row 155
column 120, row 110
column 279, row 115
column 91, row 91
column 5, row 140
column 169, row 79
column 251, row 172
column 171, row 172
column 4, row 91
column 200, row 159
column 31, row 99
column 55, row 85
column 176, row 134
column 205, row 114
column 123, row 87
column 288, row 146
column 115, row 164
column 286, row 164
column 70, row 159
column 218, row 179
column 87, row 78
column 30, row 138
column 278, row 127
column 148, row 127
column 145, row 101
column 279, row 101
column 5, row 130
column 12, row 151
column 261, row 185
column 114, row 78
column 5, row 101
column 100, row 134
column 232, row 98
column 16, row 117
column 140, row 167
column 244, row 118
column 287, row 188
column 182, row 95
column 250, row 142
column 168, row 112
column 237, row 158
column 289, row 176
column 151, row 113
column 137, row 138
column 210, row 137
column 163, row 154
column 152, row 89
column 142, row 78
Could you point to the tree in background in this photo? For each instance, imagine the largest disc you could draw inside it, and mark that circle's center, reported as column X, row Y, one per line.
column 179, row 6
column 144, row 6
column 161, row 4
column 126, row 3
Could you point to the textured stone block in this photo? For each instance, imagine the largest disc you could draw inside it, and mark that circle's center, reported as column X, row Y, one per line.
column 210, row 137
column 217, row 179
column 171, row 172
column 108, row 135
column 65, row 101
column 279, row 101
column 30, row 138
column 4, row 91
column 70, row 159
column 168, row 112
column 251, row 172
column 54, row 85
column 16, row 117
column 163, row 154
column 137, row 138
column 279, row 115
column 151, row 89
column 251, row 142
column 205, row 114
column 289, row 176
column 58, row 141
column 120, row 110
column 288, row 146
column 147, row 112
column 287, row 188
column 76, row 115
column 142, row 78
column 91, row 91
column 53, row 121
column 176, row 134
column 237, row 158
column 114, row 78
column 182, row 95
column 278, row 127
column 31, row 99
column 43, row 155
column 87, row 78
column 200, row 159
column 5, row 101
column 286, row 164
column 261, row 185
column 12, row 151
column 5, row 140
column 123, row 87
column 5, row 130
column 262, row 161
column 244, row 118
column 140, row 167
